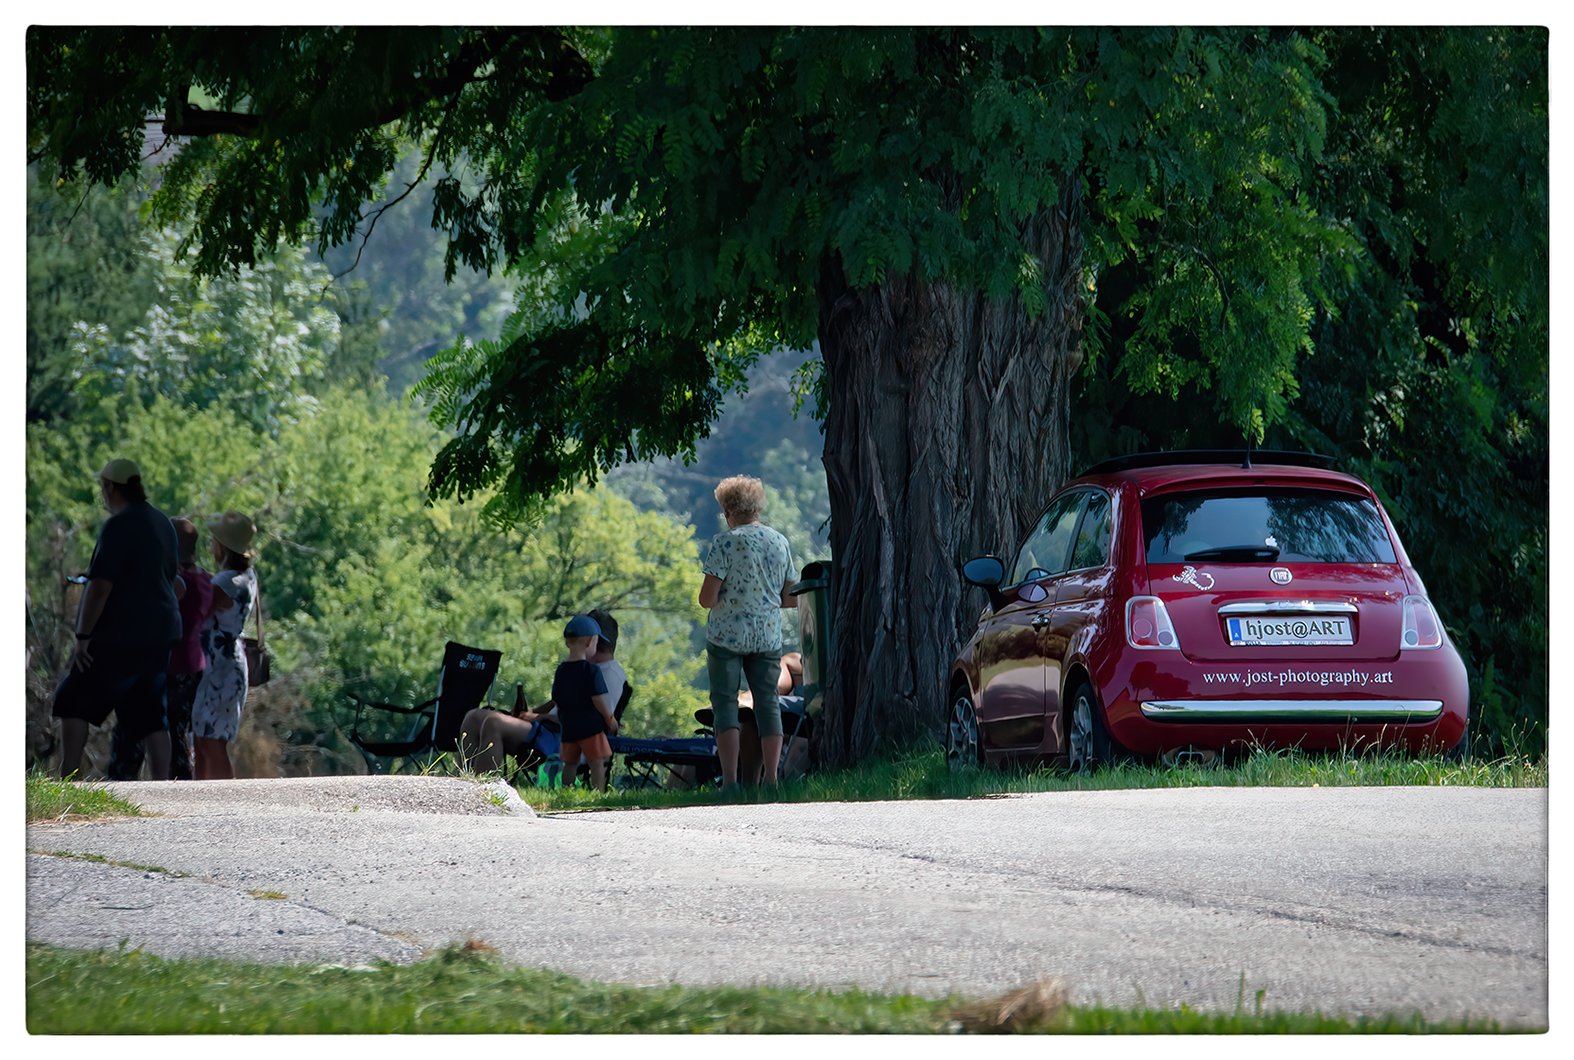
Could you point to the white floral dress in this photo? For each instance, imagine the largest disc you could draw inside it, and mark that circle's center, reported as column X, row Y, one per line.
column 215, row 715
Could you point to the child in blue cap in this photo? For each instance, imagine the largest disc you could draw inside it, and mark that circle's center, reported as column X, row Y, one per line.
column 583, row 706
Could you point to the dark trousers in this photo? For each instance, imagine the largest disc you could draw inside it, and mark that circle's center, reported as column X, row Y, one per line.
column 125, row 748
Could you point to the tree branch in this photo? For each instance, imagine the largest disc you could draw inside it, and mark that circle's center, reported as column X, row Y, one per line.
column 1218, row 277
column 567, row 75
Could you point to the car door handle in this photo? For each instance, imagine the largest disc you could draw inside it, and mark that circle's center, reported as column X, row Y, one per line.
column 1039, row 623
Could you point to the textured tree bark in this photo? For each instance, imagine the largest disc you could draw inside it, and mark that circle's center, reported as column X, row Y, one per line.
column 946, row 434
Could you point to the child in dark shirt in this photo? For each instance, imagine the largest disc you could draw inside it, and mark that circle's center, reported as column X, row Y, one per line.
column 583, row 706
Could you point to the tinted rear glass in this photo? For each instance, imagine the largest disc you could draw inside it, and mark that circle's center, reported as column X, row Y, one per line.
column 1306, row 526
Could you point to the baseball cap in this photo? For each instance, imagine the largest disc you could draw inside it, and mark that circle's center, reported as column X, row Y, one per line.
column 582, row 626
column 120, row 471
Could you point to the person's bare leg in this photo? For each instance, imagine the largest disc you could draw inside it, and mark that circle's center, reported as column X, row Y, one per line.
column 73, row 739
column 727, row 751
column 797, row 751
column 598, row 773
column 770, row 755
column 501, row 735
column 225, row 767
column 158, row 748
column 470, row 736
column 213, row 759
column 748, row 753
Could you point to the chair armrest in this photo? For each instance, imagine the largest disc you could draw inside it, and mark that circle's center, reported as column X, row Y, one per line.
column 362, row 704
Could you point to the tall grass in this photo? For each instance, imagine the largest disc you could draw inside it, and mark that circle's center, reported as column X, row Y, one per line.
column 924, row 775
column 466, row 989
column 50, row 799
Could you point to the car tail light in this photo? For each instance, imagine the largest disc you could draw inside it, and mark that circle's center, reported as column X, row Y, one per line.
column 1421, row 627
column 1148, row 624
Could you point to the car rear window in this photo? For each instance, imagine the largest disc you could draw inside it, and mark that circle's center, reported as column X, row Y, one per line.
column 1262, row 526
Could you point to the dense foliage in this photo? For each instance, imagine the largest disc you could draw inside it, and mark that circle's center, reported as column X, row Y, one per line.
column 362, row 578
column 701, row 177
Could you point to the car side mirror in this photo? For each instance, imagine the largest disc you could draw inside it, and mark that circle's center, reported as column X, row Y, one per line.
column 985, row 571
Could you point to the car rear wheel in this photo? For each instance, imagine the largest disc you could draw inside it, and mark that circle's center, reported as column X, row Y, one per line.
column 962, row 748
column 1088, row 743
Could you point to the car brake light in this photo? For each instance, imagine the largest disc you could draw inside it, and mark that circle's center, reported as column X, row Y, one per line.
column 1148, row 624
column 1421, row 627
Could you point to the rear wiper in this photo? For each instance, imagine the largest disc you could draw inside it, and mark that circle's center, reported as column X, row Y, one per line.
column 1235, row 553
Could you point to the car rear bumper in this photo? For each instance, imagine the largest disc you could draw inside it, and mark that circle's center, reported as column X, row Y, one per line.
column 1313, row 710
column 1155, row 704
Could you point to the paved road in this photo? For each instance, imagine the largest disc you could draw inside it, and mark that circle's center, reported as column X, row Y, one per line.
column 1353, row 900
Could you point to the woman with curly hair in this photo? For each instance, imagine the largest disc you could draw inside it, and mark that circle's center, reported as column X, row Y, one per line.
column 748, row 571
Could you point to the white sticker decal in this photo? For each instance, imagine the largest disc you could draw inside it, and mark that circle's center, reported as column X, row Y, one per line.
column 1189, row 576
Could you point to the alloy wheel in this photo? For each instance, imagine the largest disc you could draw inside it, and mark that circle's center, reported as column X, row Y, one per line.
column 961, row 744
column 1081, row 747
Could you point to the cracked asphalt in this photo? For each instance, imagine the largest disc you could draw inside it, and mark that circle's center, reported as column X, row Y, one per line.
column 1359, row 901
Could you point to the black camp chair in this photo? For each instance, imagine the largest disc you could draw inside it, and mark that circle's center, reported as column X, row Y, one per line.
column 466, row 676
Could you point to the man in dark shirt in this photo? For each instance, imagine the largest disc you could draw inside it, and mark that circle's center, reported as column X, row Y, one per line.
column 128, row 620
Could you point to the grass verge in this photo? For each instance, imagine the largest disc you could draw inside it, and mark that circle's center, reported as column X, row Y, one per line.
column 467, row 989
column 924, row 775
column 51, row 799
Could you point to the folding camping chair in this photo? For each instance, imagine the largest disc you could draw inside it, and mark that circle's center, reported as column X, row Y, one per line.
column 466, row 677
column 643, row 760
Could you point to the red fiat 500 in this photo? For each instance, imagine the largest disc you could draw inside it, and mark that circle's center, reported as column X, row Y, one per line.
column 1187, row 604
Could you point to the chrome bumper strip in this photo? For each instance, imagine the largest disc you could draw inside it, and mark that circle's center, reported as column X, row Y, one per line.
column 1293, row 709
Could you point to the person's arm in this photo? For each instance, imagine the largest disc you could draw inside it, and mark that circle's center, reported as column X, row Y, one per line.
column 605, row 706
column 221, row 596
column 94, row 597
column 180, row 587
column 545, row 710
column 788, row 599
column 710, row 592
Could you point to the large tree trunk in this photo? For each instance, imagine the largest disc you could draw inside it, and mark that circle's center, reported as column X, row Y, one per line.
column 946, row 433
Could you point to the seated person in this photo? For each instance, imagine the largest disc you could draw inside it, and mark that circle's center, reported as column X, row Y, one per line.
column 795, row 721
column 487, row 736
column 751, row 767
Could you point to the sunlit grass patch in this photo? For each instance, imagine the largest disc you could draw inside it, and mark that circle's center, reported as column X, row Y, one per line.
column 102, row 860
column 924, row 775
column 52, row 799
column 467, row 989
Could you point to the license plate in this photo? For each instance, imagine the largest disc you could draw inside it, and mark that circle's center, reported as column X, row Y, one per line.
column 1273, row 630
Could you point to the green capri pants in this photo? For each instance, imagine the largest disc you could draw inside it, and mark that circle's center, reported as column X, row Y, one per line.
column 762, row 669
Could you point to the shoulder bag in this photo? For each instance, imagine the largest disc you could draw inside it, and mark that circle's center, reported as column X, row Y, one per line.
column 258, row 662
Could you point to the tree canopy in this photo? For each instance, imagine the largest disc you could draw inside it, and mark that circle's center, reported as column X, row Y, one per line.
column 675, row 192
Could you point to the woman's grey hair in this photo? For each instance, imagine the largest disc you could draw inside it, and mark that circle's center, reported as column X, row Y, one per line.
column 741, row 496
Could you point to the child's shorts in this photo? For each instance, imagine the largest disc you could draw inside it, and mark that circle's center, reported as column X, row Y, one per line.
column 592, row 747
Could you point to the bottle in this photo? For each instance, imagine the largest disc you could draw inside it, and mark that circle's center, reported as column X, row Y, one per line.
column 519, row 698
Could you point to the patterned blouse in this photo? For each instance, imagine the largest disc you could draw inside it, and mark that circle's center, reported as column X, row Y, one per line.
column 753, row 563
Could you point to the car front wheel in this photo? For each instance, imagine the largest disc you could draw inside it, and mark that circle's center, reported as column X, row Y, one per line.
column 1088, row 744
column 962, row 750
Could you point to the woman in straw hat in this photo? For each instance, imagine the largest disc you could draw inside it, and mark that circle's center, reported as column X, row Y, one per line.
column 215, row 714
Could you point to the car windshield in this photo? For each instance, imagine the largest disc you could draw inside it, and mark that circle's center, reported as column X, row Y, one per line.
column 1264, row 526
